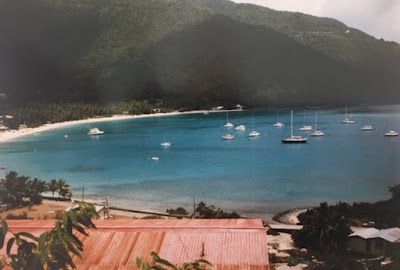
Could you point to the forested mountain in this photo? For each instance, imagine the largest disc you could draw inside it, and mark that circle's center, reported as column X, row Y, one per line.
column 190, row 53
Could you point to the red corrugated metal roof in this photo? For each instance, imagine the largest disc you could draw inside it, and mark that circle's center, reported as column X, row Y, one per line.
column 228, row 243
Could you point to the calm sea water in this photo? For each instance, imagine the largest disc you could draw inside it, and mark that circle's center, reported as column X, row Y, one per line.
column 255, row 176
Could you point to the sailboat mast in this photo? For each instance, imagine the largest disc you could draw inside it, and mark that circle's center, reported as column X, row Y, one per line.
column 316, row 117
column 346, row 114
column 291, row 123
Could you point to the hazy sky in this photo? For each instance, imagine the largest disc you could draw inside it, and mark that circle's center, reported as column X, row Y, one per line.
column 379, row 18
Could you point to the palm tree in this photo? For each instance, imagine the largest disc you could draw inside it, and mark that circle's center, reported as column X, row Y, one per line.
column 62, row 188
column 36, row 186
column 14, row 189
column 52, row 186
column 324, row 228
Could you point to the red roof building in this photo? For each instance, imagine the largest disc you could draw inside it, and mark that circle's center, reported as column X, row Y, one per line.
column 226, row 243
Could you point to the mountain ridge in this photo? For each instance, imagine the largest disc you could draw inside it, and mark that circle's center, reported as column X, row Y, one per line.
column 117, row 50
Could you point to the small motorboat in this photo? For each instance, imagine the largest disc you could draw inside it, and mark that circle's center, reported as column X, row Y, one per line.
column 305, row 128
column 391, row 133
column 279, row 124
column 240, row 128
column 228, row 137
column 95, row 131
column 254, row 133
column 367, row 128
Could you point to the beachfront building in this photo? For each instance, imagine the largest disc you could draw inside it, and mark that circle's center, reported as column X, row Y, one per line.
column 235, row 244
column 102, row 211
column 375, row 242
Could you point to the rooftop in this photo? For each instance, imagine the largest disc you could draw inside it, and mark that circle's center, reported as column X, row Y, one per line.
column 228, row 243
column 391, row 235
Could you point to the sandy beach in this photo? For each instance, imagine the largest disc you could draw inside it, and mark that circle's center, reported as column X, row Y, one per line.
column 9, row 135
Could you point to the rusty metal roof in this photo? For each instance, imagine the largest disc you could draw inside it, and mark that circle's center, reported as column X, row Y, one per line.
column 226, row 243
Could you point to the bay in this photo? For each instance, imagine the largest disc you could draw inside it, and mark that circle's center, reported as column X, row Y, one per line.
column 251, row 176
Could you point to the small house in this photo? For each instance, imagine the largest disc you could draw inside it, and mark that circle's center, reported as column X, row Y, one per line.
column 100, row 209
column 375, row 242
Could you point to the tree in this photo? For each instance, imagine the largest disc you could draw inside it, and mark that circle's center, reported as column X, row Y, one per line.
column 178, row 211
column 13, row 189
column 63, row 189
column 211, row 211
column 35, row 188
column 325, row 228
column 51, row 250
column 395, row 190
column 52, row 186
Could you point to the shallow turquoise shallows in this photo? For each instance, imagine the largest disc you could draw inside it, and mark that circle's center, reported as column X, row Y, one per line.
column 252, row 176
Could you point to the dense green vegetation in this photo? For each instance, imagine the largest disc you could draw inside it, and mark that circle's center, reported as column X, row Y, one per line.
column 21, row 190
column 53, row 249
column 204, row 211
column 208, row 212
column 37, row 114
column 162, row 264
column 189, row 53
column 326, row 229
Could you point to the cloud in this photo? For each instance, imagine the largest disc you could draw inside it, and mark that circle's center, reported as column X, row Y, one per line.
column 375, row 17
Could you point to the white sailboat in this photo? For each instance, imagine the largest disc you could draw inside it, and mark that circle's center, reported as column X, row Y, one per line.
column 292, row 138
column 366, row 127
column 347, row 120
column 306, row 127
column 253, row 132
column 278, row 124
column 316, row 132
column 228, row 124
column 165, row 143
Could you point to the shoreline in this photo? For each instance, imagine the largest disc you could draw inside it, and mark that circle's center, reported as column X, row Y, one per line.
column 9, row 135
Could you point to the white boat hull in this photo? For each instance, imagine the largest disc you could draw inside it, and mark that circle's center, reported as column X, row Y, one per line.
column 317, row 133
column 306, row 128
column 228, row 137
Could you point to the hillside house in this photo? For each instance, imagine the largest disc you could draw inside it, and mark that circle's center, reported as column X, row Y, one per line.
column 375, row 242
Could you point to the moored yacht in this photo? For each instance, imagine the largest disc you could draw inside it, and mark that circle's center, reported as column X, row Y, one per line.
column 305, row 128
column 316, row 132
column 391, row 133
column 95, row 131
column 228, row 136
column 278, row 124
column 253, row 132
column 292, row 138
column 367, row 128
column 347, row 120
column 165, row 143
column 240, row 128
column 228, row 124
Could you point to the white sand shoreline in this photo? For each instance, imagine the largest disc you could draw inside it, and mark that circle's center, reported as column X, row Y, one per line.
column 9, row 135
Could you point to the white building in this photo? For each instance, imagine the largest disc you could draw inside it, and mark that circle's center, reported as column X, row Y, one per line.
column 374, row 241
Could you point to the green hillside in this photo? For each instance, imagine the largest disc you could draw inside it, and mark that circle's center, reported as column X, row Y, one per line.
column 190, row 53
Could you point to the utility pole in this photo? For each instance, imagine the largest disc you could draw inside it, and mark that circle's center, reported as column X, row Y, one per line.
column 194, row 207
column 83, row 193
column 107, row 211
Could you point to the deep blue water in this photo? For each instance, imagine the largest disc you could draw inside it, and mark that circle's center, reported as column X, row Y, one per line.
column 251, row 176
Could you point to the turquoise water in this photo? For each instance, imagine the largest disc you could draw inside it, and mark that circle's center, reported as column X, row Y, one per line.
column 251, row 176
